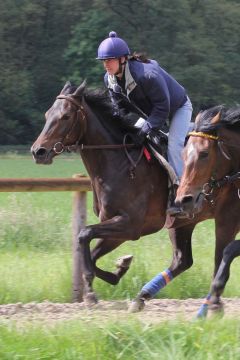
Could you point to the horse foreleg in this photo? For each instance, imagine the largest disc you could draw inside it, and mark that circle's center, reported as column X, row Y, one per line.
column 116, row 228
column 181, row 261
column 226, row 228
column 85, row 236
column 231, row 251
column 104, row 246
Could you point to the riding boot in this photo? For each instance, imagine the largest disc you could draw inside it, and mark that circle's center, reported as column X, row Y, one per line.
column 172, row 208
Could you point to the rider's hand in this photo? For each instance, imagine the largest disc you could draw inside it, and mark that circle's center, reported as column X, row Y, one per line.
column 139, row 138
column 142, row 133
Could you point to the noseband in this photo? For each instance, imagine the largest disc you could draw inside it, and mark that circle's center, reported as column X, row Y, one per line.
column 209, row 187
column 59, row 147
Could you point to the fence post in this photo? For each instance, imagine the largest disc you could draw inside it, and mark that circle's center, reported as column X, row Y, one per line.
column 79, row 221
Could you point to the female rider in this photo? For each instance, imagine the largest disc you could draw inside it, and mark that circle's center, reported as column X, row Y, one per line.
column 154, row 93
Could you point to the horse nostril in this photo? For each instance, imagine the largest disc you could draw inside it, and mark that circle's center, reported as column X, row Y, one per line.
column 40, row 152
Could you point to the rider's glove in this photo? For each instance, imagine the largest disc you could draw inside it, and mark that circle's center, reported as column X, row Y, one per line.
column 141, row 135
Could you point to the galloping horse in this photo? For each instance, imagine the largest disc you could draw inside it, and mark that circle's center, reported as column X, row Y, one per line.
column 129, row 204
column 212, row 175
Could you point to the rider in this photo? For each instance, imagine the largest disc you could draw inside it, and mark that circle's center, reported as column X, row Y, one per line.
column 154, row 93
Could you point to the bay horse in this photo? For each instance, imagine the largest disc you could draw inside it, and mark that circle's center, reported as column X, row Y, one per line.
column 212, row 175
column 130, row 194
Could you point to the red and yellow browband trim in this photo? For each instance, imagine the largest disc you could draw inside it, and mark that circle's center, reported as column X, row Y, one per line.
column 204, row 135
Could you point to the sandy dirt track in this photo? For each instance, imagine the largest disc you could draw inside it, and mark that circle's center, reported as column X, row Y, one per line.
column 154, row 312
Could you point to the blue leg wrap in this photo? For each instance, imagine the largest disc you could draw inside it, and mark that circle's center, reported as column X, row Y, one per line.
column 157, row 283
column 203, row 310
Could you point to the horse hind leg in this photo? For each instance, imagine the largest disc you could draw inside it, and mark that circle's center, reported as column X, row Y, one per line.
column 231, row 251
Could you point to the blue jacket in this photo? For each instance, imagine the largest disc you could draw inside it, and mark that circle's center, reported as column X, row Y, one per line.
column 149, row 87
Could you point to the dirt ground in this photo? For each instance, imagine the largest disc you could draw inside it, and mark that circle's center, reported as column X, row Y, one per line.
column 154, row 312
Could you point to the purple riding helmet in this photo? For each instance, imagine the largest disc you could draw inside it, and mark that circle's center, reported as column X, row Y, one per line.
column 112, row 48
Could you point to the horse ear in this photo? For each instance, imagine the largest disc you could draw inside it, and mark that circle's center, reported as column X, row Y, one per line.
column 65, row 87
column 80, row 89
column 216, row 118
column 198, row 117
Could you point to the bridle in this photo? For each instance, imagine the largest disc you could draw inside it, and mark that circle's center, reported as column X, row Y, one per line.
column 81, row 116
column 81, row 119
column 209, row 187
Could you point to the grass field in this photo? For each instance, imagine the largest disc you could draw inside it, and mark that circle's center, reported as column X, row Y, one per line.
column 128, row 340
column 36, row 264
column 35, row 234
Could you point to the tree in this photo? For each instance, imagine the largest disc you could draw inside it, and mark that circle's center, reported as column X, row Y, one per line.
column 44, row 43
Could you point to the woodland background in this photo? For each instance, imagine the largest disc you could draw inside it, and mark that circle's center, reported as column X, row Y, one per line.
column 44, row 43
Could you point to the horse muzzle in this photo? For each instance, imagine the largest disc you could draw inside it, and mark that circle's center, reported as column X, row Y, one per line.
column 41, row 155
column 190, row 204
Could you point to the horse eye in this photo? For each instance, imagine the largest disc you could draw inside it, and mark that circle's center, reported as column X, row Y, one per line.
column 66, row 117
column 203, row 154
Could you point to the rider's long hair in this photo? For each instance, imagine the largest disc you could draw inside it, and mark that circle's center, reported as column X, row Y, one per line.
column 139, row 56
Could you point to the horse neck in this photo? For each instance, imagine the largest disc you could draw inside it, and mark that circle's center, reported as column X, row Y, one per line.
column 96, row 134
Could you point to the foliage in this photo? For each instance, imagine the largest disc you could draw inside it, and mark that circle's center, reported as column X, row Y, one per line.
column 45, row 43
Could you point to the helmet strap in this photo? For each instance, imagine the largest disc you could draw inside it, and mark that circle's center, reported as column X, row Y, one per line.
column 120, row 68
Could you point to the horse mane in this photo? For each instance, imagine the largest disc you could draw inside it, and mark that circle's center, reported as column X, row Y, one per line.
column 97, row 99
column 100, row 102
column 228, row 118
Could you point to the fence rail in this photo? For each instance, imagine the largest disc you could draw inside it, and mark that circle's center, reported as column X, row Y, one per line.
column 80, row 185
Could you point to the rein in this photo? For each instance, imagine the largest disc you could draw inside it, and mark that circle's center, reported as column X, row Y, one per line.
column 108, row 146
column 209, row 187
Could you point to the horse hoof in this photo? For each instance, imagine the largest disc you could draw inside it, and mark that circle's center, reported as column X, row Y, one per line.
column 136, row 305
column 217, row 309
column 124, row 261
column 90, row 299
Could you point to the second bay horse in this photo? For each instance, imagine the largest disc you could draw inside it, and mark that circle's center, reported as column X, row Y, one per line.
column 212, row 175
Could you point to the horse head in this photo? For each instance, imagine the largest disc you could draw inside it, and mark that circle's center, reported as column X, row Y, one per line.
column 207, row 159
column 64, row 127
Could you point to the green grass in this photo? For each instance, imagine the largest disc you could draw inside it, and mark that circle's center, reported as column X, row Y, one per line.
column 36, row 265
column 28, row 276
column 127, row 340
column 36, row 237
column 14, row 165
